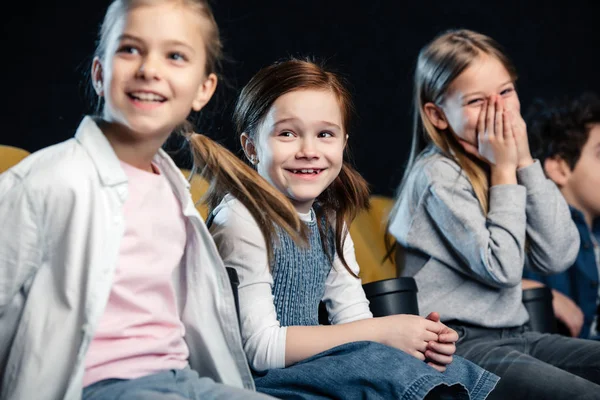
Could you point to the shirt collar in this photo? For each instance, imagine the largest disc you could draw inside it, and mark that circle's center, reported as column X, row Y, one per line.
column 106, row 161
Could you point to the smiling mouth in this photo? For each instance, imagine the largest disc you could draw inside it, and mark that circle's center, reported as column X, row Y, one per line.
column 147, row 97
column 307, row 171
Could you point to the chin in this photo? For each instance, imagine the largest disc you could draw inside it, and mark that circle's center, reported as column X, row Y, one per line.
column 149, row 129
column 304, row 198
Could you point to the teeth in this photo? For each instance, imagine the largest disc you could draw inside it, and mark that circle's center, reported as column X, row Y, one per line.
column 305, row 171
column 144, row 96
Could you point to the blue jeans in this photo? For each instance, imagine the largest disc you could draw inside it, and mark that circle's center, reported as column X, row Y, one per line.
column 368, row 370
column 533, row 365
column 167, row 385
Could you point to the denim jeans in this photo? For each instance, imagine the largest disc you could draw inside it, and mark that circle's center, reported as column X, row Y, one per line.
column 368, row 370
column 182, row 384
column 533, row 365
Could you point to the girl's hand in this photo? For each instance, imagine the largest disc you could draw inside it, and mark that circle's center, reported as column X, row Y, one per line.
column 495, row 137
column 519, row 128
column 409, row 333
column 439, row 353
column 496, row 142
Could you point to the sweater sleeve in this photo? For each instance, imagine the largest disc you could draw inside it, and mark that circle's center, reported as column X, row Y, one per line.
column 489, row 248
column 344, row 296
column 243, row 247
column 553, row 239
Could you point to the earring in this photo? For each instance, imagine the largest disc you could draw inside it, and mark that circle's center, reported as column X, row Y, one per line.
column 254, row 160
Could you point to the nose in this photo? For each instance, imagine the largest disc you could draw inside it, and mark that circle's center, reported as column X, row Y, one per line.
column 149, row 68
column 308, row 149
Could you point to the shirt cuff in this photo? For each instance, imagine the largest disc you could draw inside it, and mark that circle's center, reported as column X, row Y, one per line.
column 531, row 176
column 279, row 359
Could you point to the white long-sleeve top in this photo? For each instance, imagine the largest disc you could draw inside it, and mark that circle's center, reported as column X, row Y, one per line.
column 243, row 247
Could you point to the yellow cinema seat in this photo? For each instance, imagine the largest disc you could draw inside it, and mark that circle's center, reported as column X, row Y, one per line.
column 10, row 156
column 198, row 188
column 367, row 232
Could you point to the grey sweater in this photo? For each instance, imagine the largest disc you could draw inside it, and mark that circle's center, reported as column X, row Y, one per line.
column 473, row 263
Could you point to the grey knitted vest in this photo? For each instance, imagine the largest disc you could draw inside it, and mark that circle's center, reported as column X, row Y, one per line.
column 299, row 275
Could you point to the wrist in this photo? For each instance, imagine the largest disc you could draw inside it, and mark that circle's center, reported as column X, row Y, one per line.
column 503, row 176
column 525, row 162
column 376, row 330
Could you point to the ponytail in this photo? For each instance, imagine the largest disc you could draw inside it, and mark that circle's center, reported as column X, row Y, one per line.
column 226, row 173
column 347, row 195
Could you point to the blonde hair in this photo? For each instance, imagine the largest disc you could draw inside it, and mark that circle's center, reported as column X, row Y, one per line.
column 439, row 63
column 212, row 40
column 225, row 172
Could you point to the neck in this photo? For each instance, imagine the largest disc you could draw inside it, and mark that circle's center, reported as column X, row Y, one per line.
column 130, row 147
column 589, row 219
column 588, row 216
column 302, row 206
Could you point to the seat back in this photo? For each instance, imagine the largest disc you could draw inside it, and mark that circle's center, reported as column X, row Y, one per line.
column 538, row 302
column 368, row 233
column 10, row 156
column 198, row 188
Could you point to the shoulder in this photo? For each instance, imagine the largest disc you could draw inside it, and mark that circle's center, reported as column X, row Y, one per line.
column 433, row 174
column 436, row 168
column 239, row 240
column 231, row 212
column 432, row 170
column 64, row 166
column 233, row 223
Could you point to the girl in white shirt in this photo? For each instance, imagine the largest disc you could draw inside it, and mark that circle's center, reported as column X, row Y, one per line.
column 293, row 118
column 110, row 284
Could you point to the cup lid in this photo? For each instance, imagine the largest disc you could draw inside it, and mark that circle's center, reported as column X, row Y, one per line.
column 537, row 293
column 403, row 284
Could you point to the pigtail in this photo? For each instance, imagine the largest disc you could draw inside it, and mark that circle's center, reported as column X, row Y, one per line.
column 347, row 195
column 226, row 173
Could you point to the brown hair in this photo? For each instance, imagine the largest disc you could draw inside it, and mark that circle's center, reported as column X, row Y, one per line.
column 348, row 193
column 439, row 63
column 222, row 169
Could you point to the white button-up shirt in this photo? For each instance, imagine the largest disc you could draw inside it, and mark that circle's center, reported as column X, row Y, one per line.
column 61, row 225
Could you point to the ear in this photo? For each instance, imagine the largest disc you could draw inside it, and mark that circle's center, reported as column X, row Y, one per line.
column 205, row 92
column 249, row 148
column 435, row 115
column 558, row 170
column 98, row 76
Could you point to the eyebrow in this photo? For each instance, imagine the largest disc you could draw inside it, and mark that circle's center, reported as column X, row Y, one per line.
column 126, row 36
column 290, row 119
column 173, row 42
column 481, row 93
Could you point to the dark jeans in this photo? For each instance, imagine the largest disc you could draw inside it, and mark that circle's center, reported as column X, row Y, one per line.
column 533, row 365
column 368, row 370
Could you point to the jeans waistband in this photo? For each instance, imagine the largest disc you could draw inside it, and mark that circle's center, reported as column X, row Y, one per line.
column 476, row 331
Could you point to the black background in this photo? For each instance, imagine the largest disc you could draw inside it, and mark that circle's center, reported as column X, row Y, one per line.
column 47, row 47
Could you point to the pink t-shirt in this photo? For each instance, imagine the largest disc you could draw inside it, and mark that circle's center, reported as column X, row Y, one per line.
column 140, row 332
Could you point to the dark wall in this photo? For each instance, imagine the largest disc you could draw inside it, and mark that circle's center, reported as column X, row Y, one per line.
column 47, row 48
